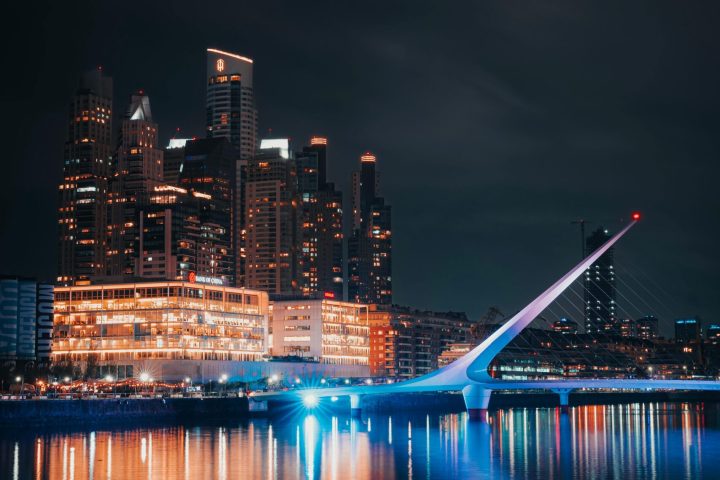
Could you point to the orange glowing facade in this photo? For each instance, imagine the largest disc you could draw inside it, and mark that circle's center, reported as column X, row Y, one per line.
column 327, row 331
column 121, row 324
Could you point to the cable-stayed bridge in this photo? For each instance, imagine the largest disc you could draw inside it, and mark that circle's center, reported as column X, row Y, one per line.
column 469, row 374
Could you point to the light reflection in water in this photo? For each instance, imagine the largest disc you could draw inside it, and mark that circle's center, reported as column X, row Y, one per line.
column 623, row 441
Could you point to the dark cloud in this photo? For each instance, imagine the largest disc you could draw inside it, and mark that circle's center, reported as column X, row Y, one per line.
column 495, row 124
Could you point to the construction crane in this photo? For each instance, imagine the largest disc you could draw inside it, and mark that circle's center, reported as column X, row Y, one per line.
column 582, row 223
column 479, row 329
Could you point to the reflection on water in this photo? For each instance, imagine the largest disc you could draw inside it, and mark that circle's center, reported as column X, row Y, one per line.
column 621, row 441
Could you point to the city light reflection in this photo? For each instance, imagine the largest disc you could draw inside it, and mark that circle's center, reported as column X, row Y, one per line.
column 627, row 441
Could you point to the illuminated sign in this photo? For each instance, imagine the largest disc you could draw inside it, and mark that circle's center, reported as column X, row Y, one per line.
column 195, row 278
column 220, row 65
column 329, row 295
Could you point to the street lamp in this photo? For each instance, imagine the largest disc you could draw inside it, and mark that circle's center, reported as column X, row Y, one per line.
column 66, row 379
column 650, row 370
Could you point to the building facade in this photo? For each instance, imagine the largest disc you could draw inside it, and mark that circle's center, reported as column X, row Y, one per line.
column 131, row 326
column 26, row 320
column 82, row 211
column 688, row 330
column 406, row 343
column 647, row 327
column 323, row 330
column 370, row 246
column 273, row 226
column 138, row 169
column 207, row 176
column 322, row 222
column 599, row 284
column 231, row 114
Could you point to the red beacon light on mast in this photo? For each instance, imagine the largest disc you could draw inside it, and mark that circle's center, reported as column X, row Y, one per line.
column 635, row 216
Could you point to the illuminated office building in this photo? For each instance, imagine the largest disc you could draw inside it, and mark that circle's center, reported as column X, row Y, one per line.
column 138, row 170
column 599, row 283
column 273, row 220
column 323, row 330
column 176, row 240
column 688, row 330
column 565, row 326
column 647, row 327
column 207, row 174
column 82, row 212
column 370, row 246
column 231, row 114
column 162, row 327
column 173, row 159
column 322, row 218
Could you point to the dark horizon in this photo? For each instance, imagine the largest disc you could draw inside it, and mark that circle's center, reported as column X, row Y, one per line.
column 495, row 126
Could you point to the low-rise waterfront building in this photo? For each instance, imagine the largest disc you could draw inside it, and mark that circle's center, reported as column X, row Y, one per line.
column 406, row 343
column 323, row 330
column 126, row 327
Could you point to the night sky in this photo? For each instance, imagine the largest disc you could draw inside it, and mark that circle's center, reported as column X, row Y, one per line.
column 495, row 124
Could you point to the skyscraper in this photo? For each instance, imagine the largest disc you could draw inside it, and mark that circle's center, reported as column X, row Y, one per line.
column 322, row 217
column 274, row 232
column 137, row 171
column 208, row 173
column 231, row 114
column 370, row 247
column 82, row 213
column 599, row 282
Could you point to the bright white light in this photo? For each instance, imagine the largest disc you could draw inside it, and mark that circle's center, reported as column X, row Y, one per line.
column 144, row 377
column 310, row 401
column 283, row 144
column 333, row 399
column 17, row 379
column 347, row 381
column 322, row 380
column 66, row 379
column 108, row 378
column 297, row 380
column 223, row 377
column 188, row 379
column 368, row 381
column 274, row 378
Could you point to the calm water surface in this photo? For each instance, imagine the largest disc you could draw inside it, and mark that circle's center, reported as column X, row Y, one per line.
column 634, row 441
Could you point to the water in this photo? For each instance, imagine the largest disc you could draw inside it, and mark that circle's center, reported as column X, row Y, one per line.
column 634, row 441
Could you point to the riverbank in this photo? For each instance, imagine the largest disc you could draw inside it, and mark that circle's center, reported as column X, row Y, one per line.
column 17, row 413
column 40, row 413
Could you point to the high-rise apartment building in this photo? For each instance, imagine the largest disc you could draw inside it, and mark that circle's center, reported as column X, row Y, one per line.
column 370, row 246
column 231, row 114
column 273, row 220
column 599, row 284
column 138, row 169
column 322, row 217
column 82, row 212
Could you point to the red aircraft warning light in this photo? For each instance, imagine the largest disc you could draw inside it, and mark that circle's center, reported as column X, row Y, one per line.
column 636, row 216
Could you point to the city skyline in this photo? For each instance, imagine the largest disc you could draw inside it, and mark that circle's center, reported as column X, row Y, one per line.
column 674, row 231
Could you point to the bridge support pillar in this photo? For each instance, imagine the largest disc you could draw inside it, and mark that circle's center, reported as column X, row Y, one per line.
column 477, row 399
column 355, row 406
column 564, row 394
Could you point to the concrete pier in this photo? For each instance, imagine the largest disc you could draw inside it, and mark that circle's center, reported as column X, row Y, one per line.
column 477, row 400
column 356, row 406
column 564, row 394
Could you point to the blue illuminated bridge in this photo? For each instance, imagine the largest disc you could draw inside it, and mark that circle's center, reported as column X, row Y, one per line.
column 469, row 374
